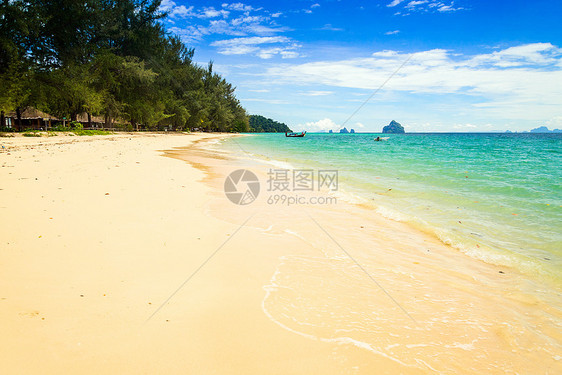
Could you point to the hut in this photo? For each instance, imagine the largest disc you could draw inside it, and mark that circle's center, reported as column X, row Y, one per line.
column 31, row 118
column 89, row 121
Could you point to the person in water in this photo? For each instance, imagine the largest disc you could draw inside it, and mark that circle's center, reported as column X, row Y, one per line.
column 378, row 139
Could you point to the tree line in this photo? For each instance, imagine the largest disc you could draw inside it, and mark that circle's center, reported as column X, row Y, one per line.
column 260, row 124
column 110, row 58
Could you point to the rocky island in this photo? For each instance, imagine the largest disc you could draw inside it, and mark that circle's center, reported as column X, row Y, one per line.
column 345, row 131
column 394, row 128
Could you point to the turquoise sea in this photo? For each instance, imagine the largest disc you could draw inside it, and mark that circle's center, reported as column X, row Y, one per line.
column 495, row 197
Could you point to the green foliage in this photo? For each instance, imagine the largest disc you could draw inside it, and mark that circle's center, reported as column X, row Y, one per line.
column 260, row 124
column 109, row 58
column 240, row 125
column 82, row 132
column 77, row 131
column 61, row 128
column 17, row 35
column 75, row 125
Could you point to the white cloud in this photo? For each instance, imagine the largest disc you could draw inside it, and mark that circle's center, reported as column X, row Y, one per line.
column 394, row 3
column 268, row 101
column 424, row 6
column 528, row 54
column 517, row 81
column 447, row 8
column 166, row 5
column 189, row 34
column 238, row 50
column 210, row 12
column 394, row 32
column 239, row 7
column 252, row 45
column 316, row 93
column 320, row 125
column 263, row 30
column 359, row 125
column 329, row 27
column 284, row 52
column 554, row 123
column 466, row 127
column 386, row 53
column 181, row 11
column 313, row 6
column 222, row 27
column 250, row 41
column 246, row 21
column 413, row 4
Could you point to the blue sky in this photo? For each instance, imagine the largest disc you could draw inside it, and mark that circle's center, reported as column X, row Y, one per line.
column 471, row 65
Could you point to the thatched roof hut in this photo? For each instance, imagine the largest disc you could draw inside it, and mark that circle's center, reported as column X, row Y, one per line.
column 31, row 118
column 31, row 113
column 96, row 121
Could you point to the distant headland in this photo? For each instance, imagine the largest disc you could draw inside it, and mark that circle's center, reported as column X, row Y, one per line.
column 540, row 129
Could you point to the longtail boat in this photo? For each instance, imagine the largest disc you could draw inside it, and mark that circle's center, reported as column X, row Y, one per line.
column 301, row 134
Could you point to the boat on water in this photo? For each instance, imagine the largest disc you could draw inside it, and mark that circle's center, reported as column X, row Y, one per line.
column 295, row 135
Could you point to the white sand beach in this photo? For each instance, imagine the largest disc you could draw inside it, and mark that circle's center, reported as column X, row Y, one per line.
column 121, row 254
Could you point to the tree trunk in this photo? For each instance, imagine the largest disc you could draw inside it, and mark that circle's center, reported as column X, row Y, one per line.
column 89, row 120
column 18, row 120
column 2, row 120
column 107, row 120
column 73, row 117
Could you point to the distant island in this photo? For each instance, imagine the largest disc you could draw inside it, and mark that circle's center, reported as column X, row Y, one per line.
column 394, row 128
column 544, row 129
column 540, row 129
column 343, row 131
column 260, row 124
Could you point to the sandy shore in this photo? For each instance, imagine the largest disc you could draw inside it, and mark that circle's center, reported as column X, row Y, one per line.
column 117, row 259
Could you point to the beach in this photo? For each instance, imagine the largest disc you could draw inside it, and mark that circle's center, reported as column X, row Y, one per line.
column 121, row 254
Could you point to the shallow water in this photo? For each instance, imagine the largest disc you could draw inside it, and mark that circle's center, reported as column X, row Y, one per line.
column 496, row 197
column 390, row 298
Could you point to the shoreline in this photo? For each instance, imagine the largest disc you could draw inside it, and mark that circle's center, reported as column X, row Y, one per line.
column 506, row 286
column 495, row 232
column 280, row 296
